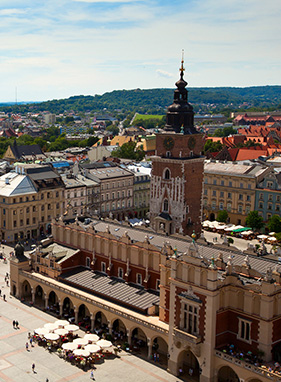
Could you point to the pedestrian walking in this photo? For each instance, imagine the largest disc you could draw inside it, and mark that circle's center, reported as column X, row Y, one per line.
column 92, row 375
column 0, row 292
column 26, row 346
column 33, row 367
column 14, row 323
column 31, row 344
column 17, row 325
column 4, row 297
column 47, row 379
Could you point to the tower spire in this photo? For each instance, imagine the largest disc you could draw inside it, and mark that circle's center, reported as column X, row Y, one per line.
column 182, row 61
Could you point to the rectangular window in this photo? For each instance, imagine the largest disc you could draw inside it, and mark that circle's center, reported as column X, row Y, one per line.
column 206, row 180
column 214, row 192
column 4, row 211
column 261, row 196
column 230, row 183
column 215, row 181
column 244, row 330
column 205, row 192
column 248, row 198
column 190, row 318
column 33, row 208
column 103, row 267
column 270, row 197
column 221, row 206
column 221, row 194
column 222, row 183
column 139, row 278
column 260, row 204
column 229, row 195
column 241, row 185
column 240, row 208
column 278, row 198
column 228, row 206
column 240, row 196
column 15, row 223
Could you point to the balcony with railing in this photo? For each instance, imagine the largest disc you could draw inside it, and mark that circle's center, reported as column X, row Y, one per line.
column 187, row 337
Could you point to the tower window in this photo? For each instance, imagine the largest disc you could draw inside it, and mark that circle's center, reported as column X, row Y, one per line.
column 167, row 174
column 166, row 205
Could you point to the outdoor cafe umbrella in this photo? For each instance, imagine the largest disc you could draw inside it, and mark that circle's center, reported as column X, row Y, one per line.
column 51, row 336
column 104, row 344
column 61, row 331
column 92, row 348
column 69, row 346
column 81, row 352
column 72, row 328
column 262, row 237
column 61, row 323
column 81, row 341
column 91, row 337
column 50, row 326
column 41, row 331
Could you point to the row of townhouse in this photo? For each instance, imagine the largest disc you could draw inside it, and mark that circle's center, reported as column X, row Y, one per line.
column 239, row 189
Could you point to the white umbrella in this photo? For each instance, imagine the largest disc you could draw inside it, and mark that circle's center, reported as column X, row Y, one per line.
column 61, row 331
column 271, row 238
column 245, row 233
column 229, row 229
column 51, row 336
column 51, row 326
column 271, row 233
column 262, row 237
column 93, row 348
column 41, row 331
column 91, row 337
column 61, row 323
column 104, row 344
column 81, row 352
column 69, row 346
column 81, row 341
column 72, row 328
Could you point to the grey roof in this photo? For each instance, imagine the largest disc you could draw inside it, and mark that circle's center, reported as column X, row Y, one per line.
column 230, row 168
column 113, row 289
column 182, row 243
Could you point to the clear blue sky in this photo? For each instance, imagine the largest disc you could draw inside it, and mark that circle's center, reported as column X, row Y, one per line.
column 58, row 48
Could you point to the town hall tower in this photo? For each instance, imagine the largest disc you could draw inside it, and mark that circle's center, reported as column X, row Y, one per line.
column 177, row 169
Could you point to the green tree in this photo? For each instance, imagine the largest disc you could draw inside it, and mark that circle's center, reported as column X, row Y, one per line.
column 274, row 224
column 222, row 216
column 129, row 151
column 254, row 221
column 212, row 147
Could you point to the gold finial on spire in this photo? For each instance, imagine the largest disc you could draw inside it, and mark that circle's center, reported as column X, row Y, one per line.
column 182, row 61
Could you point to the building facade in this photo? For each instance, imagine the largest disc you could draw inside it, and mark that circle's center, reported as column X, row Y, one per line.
column 231, row 187
column 177, row 169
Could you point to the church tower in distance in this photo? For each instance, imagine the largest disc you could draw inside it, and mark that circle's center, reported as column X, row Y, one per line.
column 177, row 169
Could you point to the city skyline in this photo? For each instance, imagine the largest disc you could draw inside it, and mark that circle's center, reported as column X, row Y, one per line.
column 58, row 49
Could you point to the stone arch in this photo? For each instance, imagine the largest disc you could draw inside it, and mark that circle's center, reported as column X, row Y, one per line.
column 84, row 320
column 68, row 308
column 100, row 320
column 188, row 365
column 39, row 296
column 26, row 290
column 160, row 346
column 227, row 374
column 167, row 173
column 203, row 278
column 139, row 341
column 119, row 330
column 191, row 273
column 52, row 298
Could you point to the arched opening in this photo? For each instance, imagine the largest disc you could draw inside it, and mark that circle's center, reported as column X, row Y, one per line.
column 14, row 290
column 212, row 217
column 84, row 320
column 189, row 366
column 26, row 291
column 39, row 296
column 226, row 374
column 119, row 332
column 160, row 346
column 139, row 342
column 67, row 310
column 167, row 174
column 53, row 305
column 101, row 324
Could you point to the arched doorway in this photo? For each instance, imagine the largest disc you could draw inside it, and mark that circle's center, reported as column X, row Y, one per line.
column 26, row 291
column 39, row 296
column 101, row 323
column 160, row 346
column 67, row 310
column 226, row 374
column 119, row 332
column 53, row 305
column 189, row 366
column 84, row 320
column 139, row 342
column 212, row 217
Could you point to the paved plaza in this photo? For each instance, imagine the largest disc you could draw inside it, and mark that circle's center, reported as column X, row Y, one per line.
column 16, row 362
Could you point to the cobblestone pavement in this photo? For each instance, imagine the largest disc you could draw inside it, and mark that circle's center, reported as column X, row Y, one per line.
column 16, row 362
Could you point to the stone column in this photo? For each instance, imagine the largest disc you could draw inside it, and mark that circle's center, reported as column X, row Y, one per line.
column 46, row 300
column 149, row 348
column 75, row 314
column 32, row 295
column 61, row 307
column 92, row 322
column 109, row 327
column 129, row 337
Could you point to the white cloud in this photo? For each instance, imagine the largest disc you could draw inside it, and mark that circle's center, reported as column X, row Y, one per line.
column 163, row 73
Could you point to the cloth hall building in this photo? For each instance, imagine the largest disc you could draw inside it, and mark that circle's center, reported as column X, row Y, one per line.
column 205, row 307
